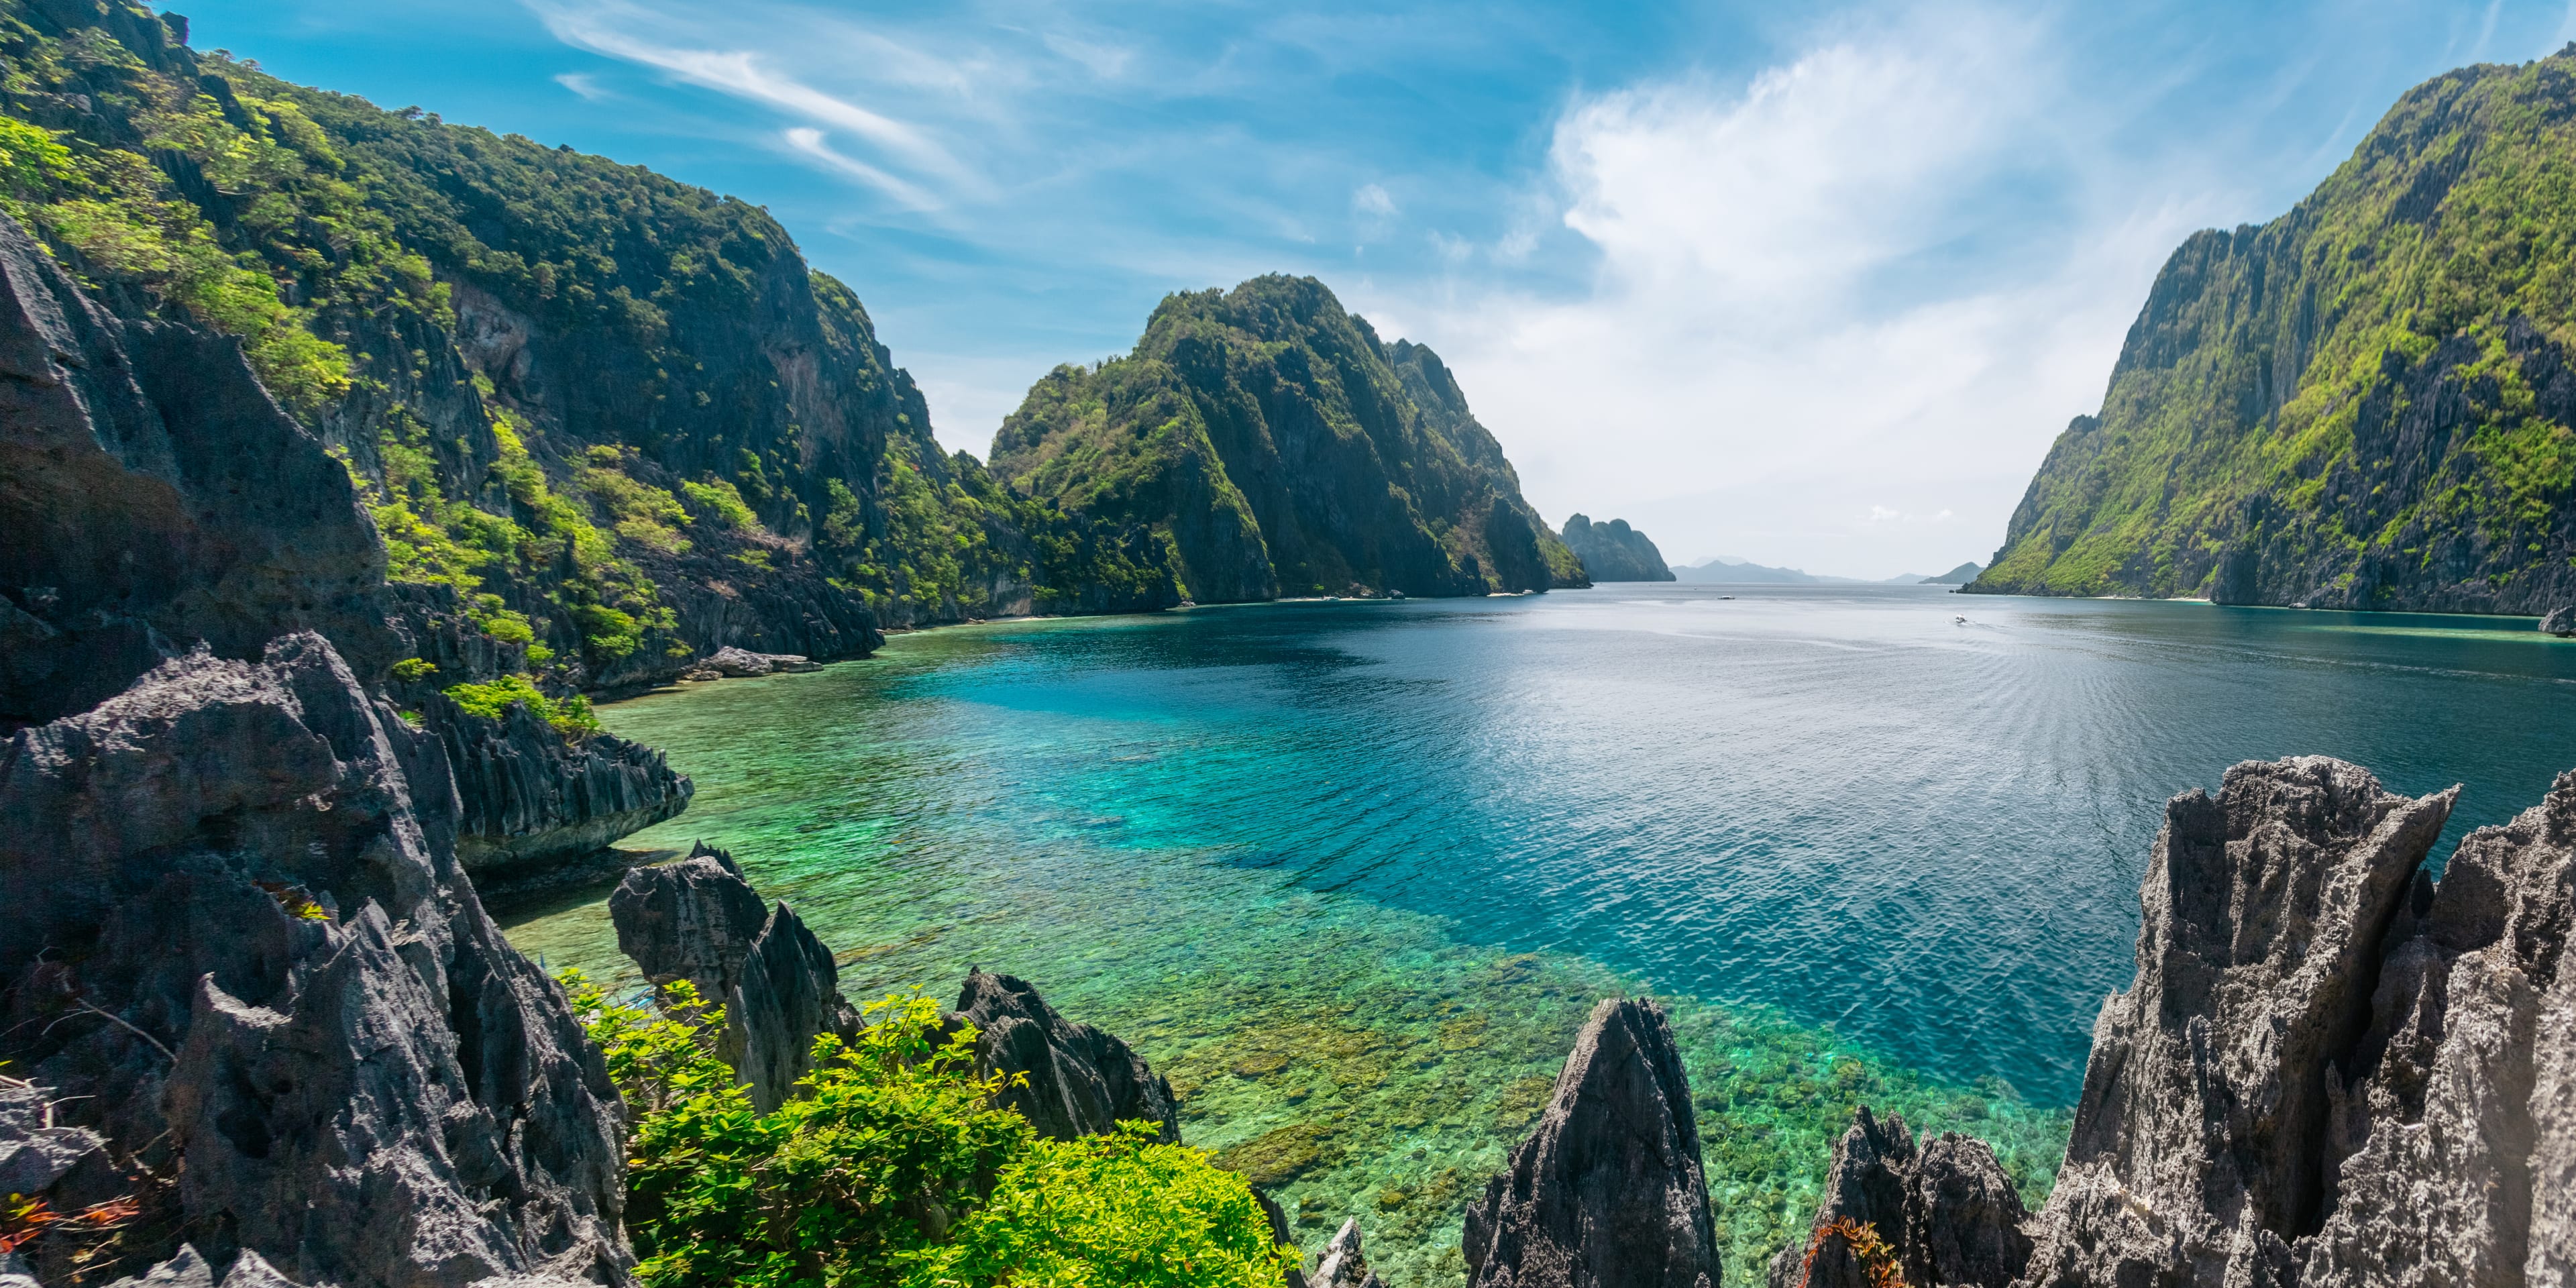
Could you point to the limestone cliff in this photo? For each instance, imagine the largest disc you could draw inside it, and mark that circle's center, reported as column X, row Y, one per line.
column 2365, row 403
column 257, row 977
column 1269, row 443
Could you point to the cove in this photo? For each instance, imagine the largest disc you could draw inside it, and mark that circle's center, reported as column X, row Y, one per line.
column 1351, row 873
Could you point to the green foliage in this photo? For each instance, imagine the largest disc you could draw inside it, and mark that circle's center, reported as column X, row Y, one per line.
column 2339, row 407
column 413, row 669
column 894, row 1167
column 570, row 716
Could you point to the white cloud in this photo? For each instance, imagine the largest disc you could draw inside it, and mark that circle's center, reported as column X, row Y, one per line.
column 583, row 84
column 810, row 142
column 1780, row 351
column 1373, row 201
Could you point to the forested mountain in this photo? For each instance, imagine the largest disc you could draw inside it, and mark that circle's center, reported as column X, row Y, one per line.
column 1613, row 551
column 2364, row 403
column 616, row 418
column 1277, row 446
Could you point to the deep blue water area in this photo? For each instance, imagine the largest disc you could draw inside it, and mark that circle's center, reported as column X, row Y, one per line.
column 1353, row 871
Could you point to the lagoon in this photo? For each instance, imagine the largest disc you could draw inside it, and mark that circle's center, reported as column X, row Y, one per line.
column 1351, row 873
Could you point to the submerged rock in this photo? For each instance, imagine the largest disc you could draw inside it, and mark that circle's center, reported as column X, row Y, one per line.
column 258, row 974
column 1343, row 1264
column 698, row 920
column 2200, row 1144
column 1080, row 1081
column 1948, row 1214
column 1608, row 1191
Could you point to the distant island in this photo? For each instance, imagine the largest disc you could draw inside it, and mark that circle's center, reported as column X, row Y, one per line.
column 1613, row 551
column 1959, row 576
column 1730, row 570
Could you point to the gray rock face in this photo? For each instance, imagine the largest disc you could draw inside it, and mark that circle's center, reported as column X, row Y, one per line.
column 154, row 497
column 739, row 662
column 789, row 995
column 698, row 920
column 532, row 796
column 1607, row 1192
column 2560, row 622
column 2452, row 1154
column 1344, row 1264
column 317, row 1035
column 1948, row 1212
column 1081, row 1081
column 2200, row 1144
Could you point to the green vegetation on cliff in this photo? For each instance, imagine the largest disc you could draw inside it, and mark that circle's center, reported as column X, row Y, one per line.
column 1271, row 444
column 617, row 415
column 895, row 1167
column 2364, row 403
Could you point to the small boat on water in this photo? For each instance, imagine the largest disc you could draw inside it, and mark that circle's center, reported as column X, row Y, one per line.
column 1726, row 597
column 1959, row 619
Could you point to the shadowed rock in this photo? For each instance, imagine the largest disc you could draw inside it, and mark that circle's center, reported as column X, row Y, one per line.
column 303, row 1017
column 693, row 920
column 1081, row 1081
column 533, row 796
column 740, row 662
column 698, row 920
column 1948, row 1213
column 1607, row 1192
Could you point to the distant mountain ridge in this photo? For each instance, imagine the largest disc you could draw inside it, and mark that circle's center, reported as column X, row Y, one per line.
column 2369, row 402
column 1613, row 551
column 1727, row 570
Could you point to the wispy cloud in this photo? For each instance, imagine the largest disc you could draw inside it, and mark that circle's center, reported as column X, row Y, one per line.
column 583, row 84
column 808, row 141
column 1373, row 201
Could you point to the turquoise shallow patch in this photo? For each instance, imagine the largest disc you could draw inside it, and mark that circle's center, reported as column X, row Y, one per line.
column 1352, row 874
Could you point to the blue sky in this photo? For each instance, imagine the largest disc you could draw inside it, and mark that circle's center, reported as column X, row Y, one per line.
column 1807, row 285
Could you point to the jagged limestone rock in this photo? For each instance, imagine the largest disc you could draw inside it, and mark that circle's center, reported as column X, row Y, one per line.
column 2560, row 621
column 2199, row 1145
column 301, row 1012
column 2447, row 1163
column 1081, row 1081
column 1343, row 1263
column 1948, row 1212
column 698, row 920
column 534, row 797
column 1608, row 1191
column 789, row 995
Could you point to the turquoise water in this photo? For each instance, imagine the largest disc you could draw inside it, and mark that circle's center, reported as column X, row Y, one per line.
column 1351, row 873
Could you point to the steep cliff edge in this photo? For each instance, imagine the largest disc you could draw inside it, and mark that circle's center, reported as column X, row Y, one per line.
column 259, row 977
column 1270, row 444
column 2365, row 403
column 2332, row 1071
column 1613, row 551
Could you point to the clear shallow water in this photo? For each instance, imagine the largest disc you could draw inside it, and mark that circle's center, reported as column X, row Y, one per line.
column 1352, row 873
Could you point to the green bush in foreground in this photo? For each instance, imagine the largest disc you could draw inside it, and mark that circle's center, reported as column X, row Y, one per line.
column 895, row 1167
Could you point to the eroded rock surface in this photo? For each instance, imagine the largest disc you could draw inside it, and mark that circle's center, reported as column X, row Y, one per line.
column 1947, row 1212
column 740, row 662
column 698, row 920
column 534, row 797
column 1608, row 1191
column 259, row 973
column 1081, row 1081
